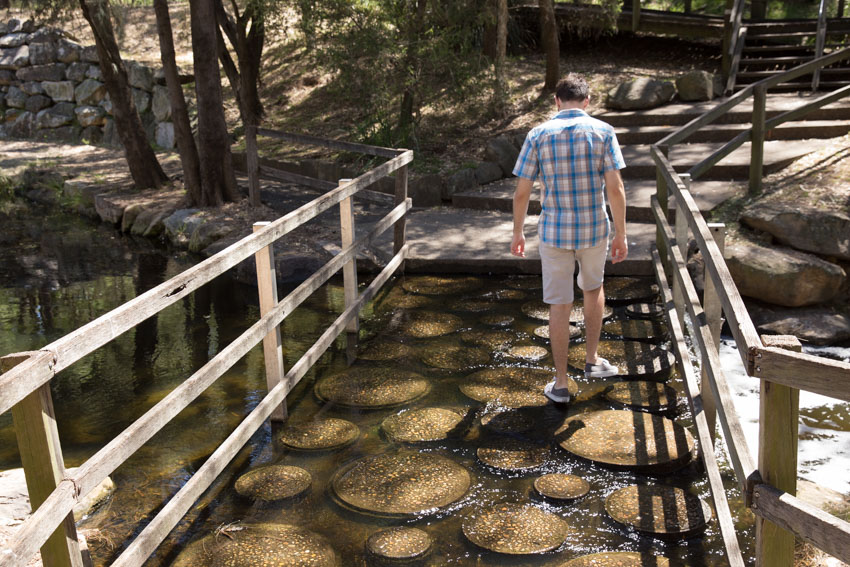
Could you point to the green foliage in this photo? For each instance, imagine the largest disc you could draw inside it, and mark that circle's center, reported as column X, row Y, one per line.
column 7, row 188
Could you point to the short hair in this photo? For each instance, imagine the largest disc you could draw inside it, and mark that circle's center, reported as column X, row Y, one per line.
column 572, row 88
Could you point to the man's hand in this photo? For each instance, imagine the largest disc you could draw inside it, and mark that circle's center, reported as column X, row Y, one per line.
column 518, row 245
column 619, row 249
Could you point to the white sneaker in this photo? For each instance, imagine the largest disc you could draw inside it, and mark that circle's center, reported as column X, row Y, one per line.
column 602, row 369
column 557, row 395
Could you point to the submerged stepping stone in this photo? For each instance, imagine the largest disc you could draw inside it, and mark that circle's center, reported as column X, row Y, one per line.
column 627, row 440
column 628, row 289
column 649, row 396
column 577, row 314
column 409, row 301
column 525, row 283
column 528, row 353
column 372, row 388
column 542, row 332
column 516, row 529
column 508, row 421
column 399, row 545
column 559, row 486
column 540, row 311
column 440, row 285
column 274, row 482
column 619, row 559
column 401, row 484
column 472, row 305
column 384, row 350
column 645, row 310
column 427, row 324
column 320, row 435
column 511, row 387
column 454, row 357
column 509, row 454
column 637, row 329
column 497, row 320
column 492, row 340
column 507, row 294
column 662, row 511
column 634, row 359
column 249, row 545
column 420, row 425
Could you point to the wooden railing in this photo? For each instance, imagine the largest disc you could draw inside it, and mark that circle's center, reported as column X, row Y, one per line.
column 25, row 382
column 734, row 34
column 767, row 482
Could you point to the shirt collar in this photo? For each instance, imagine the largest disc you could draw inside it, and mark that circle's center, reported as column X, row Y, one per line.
column 570, row 112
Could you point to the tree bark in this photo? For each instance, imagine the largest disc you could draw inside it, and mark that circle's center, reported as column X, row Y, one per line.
column 244, row 78
column 218, row 183
column 551, row 44
column 179, row 112
column 144, row 167
column 500, row 94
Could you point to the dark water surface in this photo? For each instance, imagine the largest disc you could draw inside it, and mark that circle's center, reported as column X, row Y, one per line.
column 59, row 272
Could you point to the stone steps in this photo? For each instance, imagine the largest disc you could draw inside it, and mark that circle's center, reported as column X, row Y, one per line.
column 628, row 135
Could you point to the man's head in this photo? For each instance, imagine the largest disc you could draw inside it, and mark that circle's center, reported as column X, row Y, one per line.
column 572, row 92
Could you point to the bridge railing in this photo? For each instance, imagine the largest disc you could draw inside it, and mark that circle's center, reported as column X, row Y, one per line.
column 25, row 381
column 767, row 482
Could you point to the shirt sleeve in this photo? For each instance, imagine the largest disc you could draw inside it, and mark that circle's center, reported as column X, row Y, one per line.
column 527, row 165
column 613, row 154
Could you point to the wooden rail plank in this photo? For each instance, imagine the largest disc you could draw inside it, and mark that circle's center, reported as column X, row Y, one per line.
column 268, row 172
column 803, row 371
column 95, row 334
column 737, row 53
column 38, row 367
column 807, row 522
column 705, row 429
column 806, row 68
column 330, row 144
column 685, row 131
column 157, row 530
column 702, row 167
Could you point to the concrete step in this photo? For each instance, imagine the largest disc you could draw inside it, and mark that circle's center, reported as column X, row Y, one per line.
column 725, row 132
column 799, row 25
column 828, row 74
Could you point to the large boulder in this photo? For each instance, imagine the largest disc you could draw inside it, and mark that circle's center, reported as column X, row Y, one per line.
column 59, row 91
column 90, row 116
column 67, row 51
column 51, row 72
column 640, row 94
column 90, row 92
column 161, row 106
column 783, row 276
column 15, row 57
column 42, row 53
column 502, row 150
column 695, row 86
column 16, row 98
column 76, row 71
column 180, row 226
column 38, row 102
column 819, row 326
column 823, row 232
column 23, row 125
column 426, row 191
column 165, row 135
column 58, row 115
column 139, row 76
column 460, row 181
column 488, row 172
column 88, row 54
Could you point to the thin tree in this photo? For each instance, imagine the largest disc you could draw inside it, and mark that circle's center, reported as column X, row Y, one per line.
column 551, row 44
column 245, row 31
column 500, row 87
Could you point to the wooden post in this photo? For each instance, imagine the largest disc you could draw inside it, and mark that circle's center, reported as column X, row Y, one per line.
column 757, row 144
column 399, row 231
column 663, row 201
column 272, row 344
column 349, row 270
column 44, row 468
column 252, row 164
column 635, row 16
column 777, row 463
column 820, row 42
column 681, row 233
column 728, row 30
column 713, row 310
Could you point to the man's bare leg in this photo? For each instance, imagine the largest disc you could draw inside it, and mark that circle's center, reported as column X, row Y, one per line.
column 594, row 304
column 559, row 338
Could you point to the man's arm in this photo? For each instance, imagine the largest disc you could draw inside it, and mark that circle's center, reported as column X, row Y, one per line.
column 617, row 202
column 521, row 197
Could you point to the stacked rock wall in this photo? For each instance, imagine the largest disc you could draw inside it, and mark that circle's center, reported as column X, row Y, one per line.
column 51, row 89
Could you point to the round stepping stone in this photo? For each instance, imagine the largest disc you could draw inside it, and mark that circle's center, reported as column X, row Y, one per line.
column 561, row 486
column 454, row 357
column 497, row 320
column 472, row 305
column 509, row 454
column 401, row 484
column 410, row 301
column 399, row 545
column 628, row 289
column 440, row 285
column 249, row 545
column 274, row 482
column 427, row 324
column 528, row 353
column 525, row 283
column 508, row 421
column 492, row 340
column 508, row 295
column 384, row 350
column 540, row 311
column 619, row 559
column 634, row 359
column 649, row 396
column 660, row 511
column 577, row 314
column 622, row 439
column 320, row 435
column 372, row 388
column 637, row 329
column 645, row 310
column 511, row 387
column 542, row 332
column 420, row 425
column 516, row 529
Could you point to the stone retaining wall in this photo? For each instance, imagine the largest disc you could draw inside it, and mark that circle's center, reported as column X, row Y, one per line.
column 51, row 89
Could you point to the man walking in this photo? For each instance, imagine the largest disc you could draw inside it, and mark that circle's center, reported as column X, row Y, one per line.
column 579, row 160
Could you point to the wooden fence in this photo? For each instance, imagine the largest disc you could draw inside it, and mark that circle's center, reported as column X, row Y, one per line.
column 25, row 382
column 768, row 480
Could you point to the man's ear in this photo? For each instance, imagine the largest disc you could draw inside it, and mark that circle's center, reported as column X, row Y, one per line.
column 585, row 103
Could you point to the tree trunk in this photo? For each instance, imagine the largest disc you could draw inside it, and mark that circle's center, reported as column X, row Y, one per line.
column 144, row 167
column 551, row 44
column 218, row 183
column 179, row 113
column 489, row 41
column 500, row 94
column 412, row 67
column 248, row 45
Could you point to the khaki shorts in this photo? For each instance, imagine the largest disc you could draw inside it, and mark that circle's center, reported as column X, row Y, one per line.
column 559, row 265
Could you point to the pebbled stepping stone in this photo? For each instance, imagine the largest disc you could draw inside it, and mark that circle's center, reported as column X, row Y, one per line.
column 649, row 396
column 637, row 329
column 421, row 425
column 507, row 294
column 528, row 353
column 627, row 440
column 454, row 357
column 274, row 482
column 540, row 311
column 665, row 512
column 542, row 332
column 472, row 305
column 497, row 320
column 634, row 359
column 645, row 310
column 399, row 545
column 372, row 388
column 509, row 454
column 629, row 289
column 492, row 340
column 511, row 387
column 508, row 421
column 428, row 324
column 515, row 529
column 320, row 435
column 440, row 285
column 619, row 559
column 558, row 486
column 383, row 349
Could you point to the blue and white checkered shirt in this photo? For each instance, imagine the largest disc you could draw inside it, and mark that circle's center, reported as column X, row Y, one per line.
column 572, row 152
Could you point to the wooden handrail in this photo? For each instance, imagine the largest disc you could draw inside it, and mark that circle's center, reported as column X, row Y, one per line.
column 330, row 144
column 820, row 41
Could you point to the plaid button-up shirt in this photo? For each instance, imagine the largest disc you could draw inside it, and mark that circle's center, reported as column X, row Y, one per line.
column 571, row 152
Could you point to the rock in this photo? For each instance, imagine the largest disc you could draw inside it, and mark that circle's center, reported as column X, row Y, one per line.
column 88, row 54
column 519, row 138
column 208, row 233
column 67, row 51
column 13, row 39
column 460, row 181
column 502, row 150
column 55, row 116
column 106, row 104
column 130, row 215
column 90, row 116
column 818, row 326
column 11, row 114
column 94, row 72
column 16, row 98
column 90, row 92
column 182, row 74
column 23, row 125
column 59, row 91
column 108, row 210
column 6, row 77
column 488, row 172
column 783, row 276
column 110, row 134
column 139, row 76
column 718, row 85
column 150, row 222
column 142, row 100
column 51, row 72
column 92, row 135
column 823, row 232
column 38, row 102
column 42, row 195
column 45, row 35
column 427, row 191
column 69, row 133
column 15, row 58
column 32, row 88
column 165, row 135
column 76, row 71
column 14, row 25
column 695, row 86
column 42, row 53
column 161, row 106
column 639, row 94
column 180, row 226
column 82, row 195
